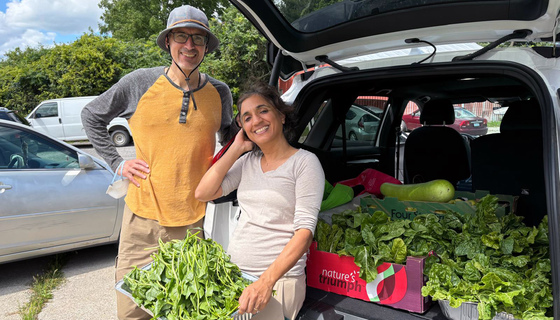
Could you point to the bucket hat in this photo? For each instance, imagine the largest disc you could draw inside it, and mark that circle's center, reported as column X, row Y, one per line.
column 188, row 17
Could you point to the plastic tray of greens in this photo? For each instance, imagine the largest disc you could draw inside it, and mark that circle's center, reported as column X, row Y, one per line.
column 124, row 289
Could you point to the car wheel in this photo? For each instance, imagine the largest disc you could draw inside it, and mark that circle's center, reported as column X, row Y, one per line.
column 403, row 127
column 352, row 136
column 120, row 138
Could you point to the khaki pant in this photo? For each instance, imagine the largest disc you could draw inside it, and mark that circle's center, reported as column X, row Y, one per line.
column 137, row 234
column 286, row 302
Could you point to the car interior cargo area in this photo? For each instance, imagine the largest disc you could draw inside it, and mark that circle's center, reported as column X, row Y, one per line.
column 477, row 125
column 470, row 161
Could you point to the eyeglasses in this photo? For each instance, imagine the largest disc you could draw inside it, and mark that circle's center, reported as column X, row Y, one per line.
column 198, row 39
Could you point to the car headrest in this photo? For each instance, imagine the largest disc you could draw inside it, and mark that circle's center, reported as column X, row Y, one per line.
column 437, row 112
column 522, row 116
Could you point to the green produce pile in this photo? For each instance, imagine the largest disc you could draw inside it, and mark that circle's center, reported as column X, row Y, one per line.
column 374, row 238
column 188, row 279
column 497, row 262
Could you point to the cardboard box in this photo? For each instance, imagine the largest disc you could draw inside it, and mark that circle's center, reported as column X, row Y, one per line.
column 399, row 210
column 398, row 286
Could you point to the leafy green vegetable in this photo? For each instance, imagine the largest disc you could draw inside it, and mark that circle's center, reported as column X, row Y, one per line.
column 188, row 279
column 497, row 262
column 374, row 238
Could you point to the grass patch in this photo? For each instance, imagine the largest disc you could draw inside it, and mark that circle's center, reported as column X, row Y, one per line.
column 494, row 123
column 43, row 286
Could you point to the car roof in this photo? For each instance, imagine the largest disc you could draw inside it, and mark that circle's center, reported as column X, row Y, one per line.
column 16, row 124
column 17, row 115
column 350, row 28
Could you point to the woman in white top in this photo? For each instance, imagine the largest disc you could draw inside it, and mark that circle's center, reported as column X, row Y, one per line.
column 279, row 189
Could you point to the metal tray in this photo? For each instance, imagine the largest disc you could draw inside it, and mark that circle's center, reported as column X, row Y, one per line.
column 123, row 288
column 467, row 311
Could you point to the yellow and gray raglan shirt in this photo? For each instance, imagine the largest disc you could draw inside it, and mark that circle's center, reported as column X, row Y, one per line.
column 175, row 139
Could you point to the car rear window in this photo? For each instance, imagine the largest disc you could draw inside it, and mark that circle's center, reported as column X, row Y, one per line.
column 313, row 15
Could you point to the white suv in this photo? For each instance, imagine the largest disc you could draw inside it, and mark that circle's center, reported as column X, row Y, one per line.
column 399, row 51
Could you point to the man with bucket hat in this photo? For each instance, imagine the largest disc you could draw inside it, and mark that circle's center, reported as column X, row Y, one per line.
column 174, row 113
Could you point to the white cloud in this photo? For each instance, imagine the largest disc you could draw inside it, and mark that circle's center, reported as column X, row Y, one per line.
column 29, row 38
column 34, row 22
column 60, row 16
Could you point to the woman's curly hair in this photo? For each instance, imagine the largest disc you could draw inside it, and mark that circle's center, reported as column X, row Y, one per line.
column 272, row 96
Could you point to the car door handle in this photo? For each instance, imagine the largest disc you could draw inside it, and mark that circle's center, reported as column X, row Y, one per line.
column 4, row 187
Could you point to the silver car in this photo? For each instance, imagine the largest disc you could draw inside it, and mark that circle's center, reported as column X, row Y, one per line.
column 361, row 123
column 52, row 196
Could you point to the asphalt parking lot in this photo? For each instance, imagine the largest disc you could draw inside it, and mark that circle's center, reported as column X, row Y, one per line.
column 87, row 293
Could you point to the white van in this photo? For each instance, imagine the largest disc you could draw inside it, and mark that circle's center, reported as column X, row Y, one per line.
column 61, row 118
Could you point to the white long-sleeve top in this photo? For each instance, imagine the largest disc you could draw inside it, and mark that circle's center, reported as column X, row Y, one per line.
column 274, row 205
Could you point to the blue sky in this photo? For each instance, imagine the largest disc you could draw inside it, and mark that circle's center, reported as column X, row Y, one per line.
column 30, row 23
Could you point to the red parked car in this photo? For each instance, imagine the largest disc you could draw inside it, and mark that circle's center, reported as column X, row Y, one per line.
column 465, row 122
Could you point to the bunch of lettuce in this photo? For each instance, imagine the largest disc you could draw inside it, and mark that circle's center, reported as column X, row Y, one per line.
column 497, row 262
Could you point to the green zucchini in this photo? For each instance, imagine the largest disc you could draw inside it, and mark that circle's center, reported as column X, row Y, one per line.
column 435, row 191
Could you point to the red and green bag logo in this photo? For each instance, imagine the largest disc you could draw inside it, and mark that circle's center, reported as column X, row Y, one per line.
column 389, row 286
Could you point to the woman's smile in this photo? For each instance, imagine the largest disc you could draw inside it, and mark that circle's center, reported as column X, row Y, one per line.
column 261, row 130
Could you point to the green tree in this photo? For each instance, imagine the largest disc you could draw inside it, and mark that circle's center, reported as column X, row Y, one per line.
column 241, row 56
column 20, row 81
column 88, row 66
column 140, row 19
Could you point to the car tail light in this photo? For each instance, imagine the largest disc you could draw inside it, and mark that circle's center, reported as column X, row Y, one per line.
column 361, row 123
column 484, row 122
column 465, row 123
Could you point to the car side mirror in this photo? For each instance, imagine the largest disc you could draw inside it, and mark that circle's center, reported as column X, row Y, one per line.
column 86, row 162
column 36, row 116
